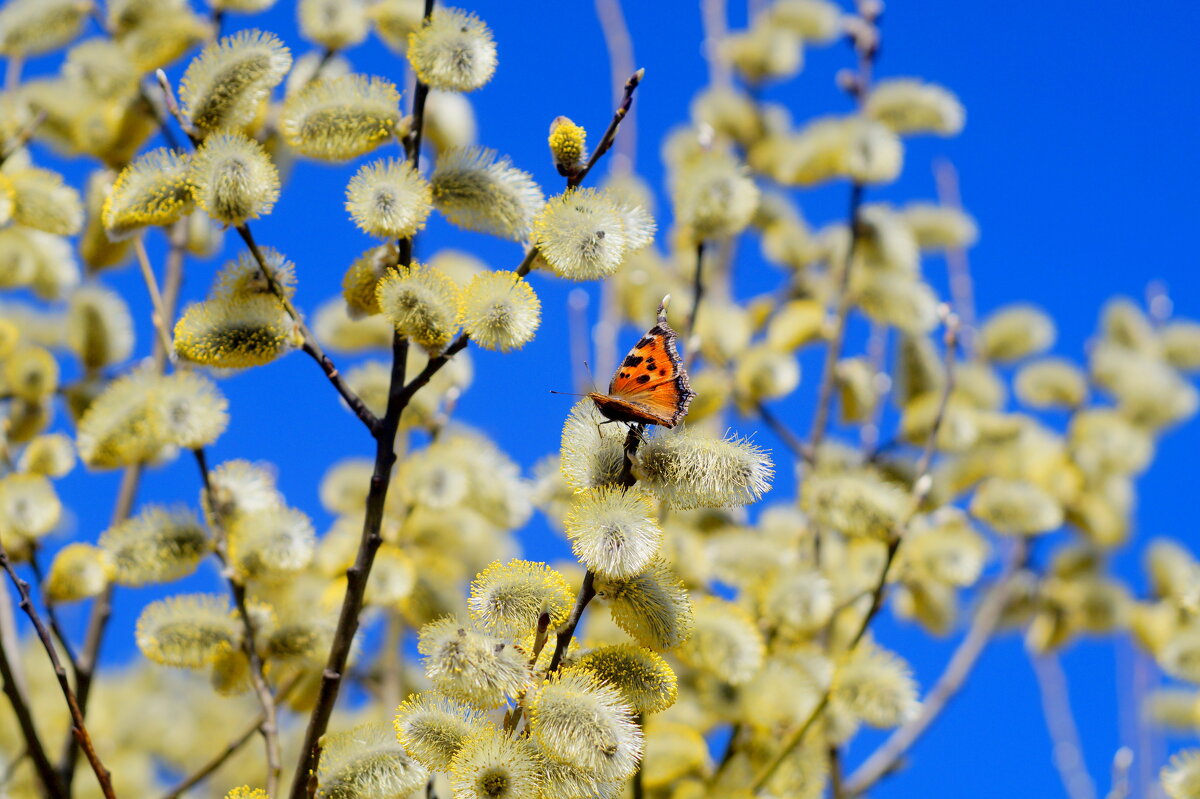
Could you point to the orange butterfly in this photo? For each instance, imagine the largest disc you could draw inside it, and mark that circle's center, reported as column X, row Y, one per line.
column 650, row 386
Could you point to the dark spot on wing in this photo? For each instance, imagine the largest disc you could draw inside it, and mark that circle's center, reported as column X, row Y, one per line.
column 643, row 378
column 644, row 343
column 624, row 375
column 632, row 360
column 662, row 371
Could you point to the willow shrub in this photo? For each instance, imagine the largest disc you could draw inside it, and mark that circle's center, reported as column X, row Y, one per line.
column 714, row 638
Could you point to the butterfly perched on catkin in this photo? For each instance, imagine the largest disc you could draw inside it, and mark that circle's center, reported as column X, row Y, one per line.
column 650, row 386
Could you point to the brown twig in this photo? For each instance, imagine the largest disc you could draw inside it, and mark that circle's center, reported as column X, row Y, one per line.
column 78, row 728
column 885, row 759
column 310, row 344
column 23, row 136
column 610, row 134
column 33, row 743
column 52, row 614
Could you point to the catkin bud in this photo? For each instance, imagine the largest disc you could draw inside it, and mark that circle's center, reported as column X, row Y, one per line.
column 1016, row 332
column 854, row 504
column 877, row 686
column 474, row 667
column 99, row 327
column 592, row 454
column 1180, row 778
column 653, row 607
column 939, row 227
column 1015, row 507
column 31, row 374
column 568, row 145
column 433, row 728
column 187, row 630
column 338, row 119
column 51, row 455
column 422, row 303
column 613, row 530
column 31, row 27
column 234, row 333
column 453, row 50
column 688, row 468
column 158, row 545
column 714, row 196
column 476, row 190
column 500, row 311
column 270, row 544
column 224, row 87
column 576, row 719
column 493, row 764
column 367, row 760
column 333, row 24
column 581, row 234
column 815, row 21
column 29, row 506
column 725, row 642
column 1051, row 383
column 42, row 201
column 910, row 106
column 644, row 679
column 79, row 571
column 389, row 199
column 233, row 178
column 153, row 190
column 508, row 599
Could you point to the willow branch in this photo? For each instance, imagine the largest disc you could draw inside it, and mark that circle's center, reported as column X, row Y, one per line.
column 23, row 136
column 78, row 728
column 33, row 743
column 886, row 758
column 587, row 591
column 310, row 344
column 920, row 490
column 52, row 615
column 962, row 288
column 834, row 352
column 621, row 62
column 610, row 134
column 1060, row 723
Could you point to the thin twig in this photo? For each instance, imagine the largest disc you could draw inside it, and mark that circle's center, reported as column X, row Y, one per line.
column 258, row 680
column 920, row 489
column 158, row 312
column 834, row 352
column 715, row 18
column 621, row 60
column 962, row 288
column 885, row 759
column 52, row 614
column 1060, row 723
column 78, row 728
column 697, row 296
column 792, row 441
column 33, row 744
column 23, row 136
column 610, row 134
column 310, row 344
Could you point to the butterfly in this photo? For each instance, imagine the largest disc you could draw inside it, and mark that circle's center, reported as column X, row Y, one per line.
column 650, row 386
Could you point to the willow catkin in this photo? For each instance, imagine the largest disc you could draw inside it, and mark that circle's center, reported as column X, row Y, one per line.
column 340, row 118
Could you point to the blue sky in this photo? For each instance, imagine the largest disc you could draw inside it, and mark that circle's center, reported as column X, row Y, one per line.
column 1078, row 161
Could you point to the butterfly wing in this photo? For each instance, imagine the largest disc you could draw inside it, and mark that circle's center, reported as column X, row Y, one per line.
column 652, row 379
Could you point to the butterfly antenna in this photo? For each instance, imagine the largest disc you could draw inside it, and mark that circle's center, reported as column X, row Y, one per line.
column 567, row 393
column 591, row 375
